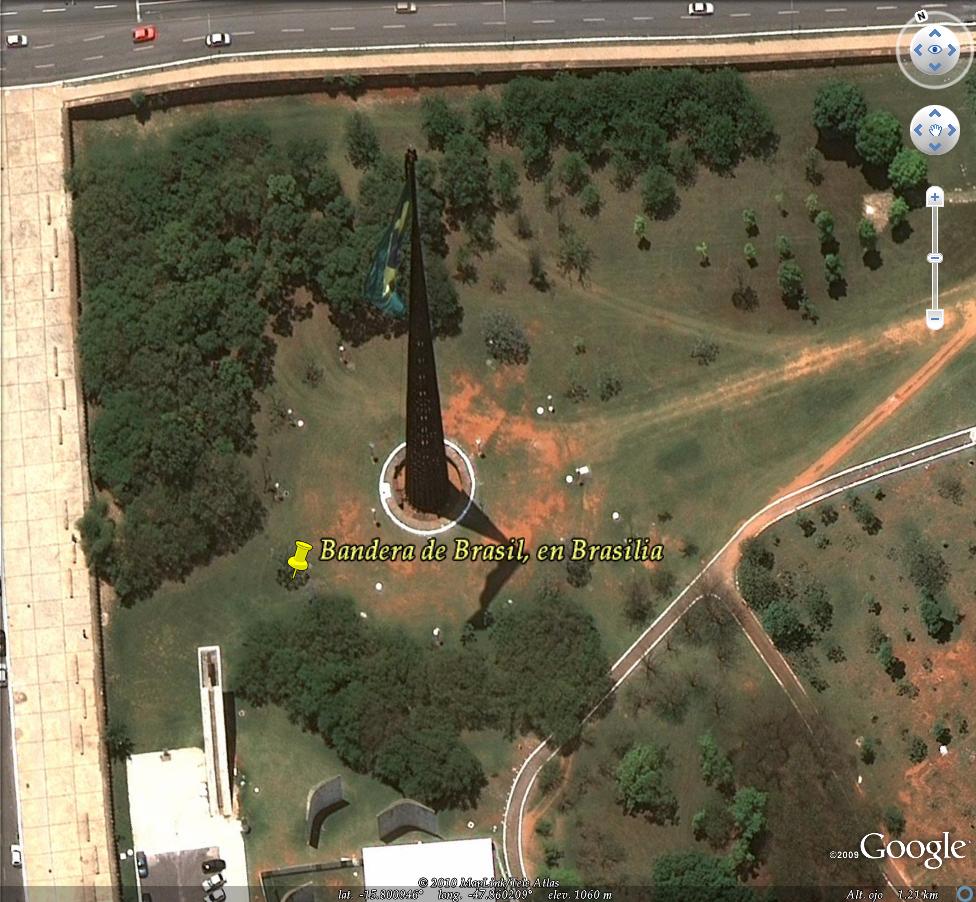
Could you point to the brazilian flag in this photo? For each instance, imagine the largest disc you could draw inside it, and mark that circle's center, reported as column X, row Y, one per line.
column 380, row 284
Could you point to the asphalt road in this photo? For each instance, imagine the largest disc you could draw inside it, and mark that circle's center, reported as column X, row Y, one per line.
column 718, row 577
column 76, row 38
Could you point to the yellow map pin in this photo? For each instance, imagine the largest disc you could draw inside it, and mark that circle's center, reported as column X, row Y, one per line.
column 297, row 560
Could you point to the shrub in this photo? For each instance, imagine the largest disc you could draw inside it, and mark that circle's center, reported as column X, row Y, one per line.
column 505, row 339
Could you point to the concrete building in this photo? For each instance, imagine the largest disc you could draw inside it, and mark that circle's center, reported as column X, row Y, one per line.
column 404, row 865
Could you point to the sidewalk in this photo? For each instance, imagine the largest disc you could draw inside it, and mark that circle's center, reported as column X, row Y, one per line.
column 66, row 834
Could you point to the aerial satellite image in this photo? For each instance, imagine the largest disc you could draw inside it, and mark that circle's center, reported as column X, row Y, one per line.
column 487, row 450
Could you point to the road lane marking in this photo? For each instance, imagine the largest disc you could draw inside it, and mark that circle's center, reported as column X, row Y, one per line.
column 11, row 12
column 58, row 9
column 44, row 66
column 97, row 37
column 445, row 25
column 737, row 15
column 836, row 9
column 91, row 59
column 543, row 21
column 43, row 46
column 107, row 6
column 292, row 30
column 198, row 38
column 788, row 12
column 886, row 7
column 643, row 18
column 238, row 34
column 394, row 26
column 594, row 20
column 498, row 22
column 143, row 47
column 342, row 28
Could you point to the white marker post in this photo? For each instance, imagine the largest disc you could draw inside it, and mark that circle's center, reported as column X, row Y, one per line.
column 934, row 316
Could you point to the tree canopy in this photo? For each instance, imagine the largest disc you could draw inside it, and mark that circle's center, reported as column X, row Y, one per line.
column 642, row 783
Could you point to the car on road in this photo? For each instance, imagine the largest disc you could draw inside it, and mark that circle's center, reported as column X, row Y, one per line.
column 212, row 883
column 3, row 643
column 144, row 34
column 405, row 6
column 142, row 866
column 217, row 895
column 16, row 856
column 213, row 865
column 3, row 676
column 701, row 9
column 218, row 39
column 15, row 40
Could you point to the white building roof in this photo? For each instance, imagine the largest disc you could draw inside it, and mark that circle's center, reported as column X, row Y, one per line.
column 404, row 865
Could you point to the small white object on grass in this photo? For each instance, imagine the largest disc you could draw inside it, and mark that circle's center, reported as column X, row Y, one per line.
column 379, row 587
column 540, row 410
column 615, row 515
column 363, row 614
column 471, row 825
column 300, row 423
column 943, row 750
column 551, row 409
column 569, row 479
column 257, row 788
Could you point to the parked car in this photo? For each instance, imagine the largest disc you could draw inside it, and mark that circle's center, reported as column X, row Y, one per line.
column 212, row 883
column 701, row 9
column 147, row 897
column 213, row 865
column 144, row 34
column 217, row 895
column 218, row 39
column 405, row 6
column 3, row 676
column 3, row 644
column 142, row 866
column 16, row 40
column 16, row 856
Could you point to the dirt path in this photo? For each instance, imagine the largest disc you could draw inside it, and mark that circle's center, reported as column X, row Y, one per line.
column 964, row 333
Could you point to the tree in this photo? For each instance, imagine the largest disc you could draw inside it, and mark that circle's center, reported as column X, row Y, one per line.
column 507, row 185
column 750, row 253
column 683, row 165
column 140, row 103
column 784, row 247
column 119, row 743
column 439, row 121
column 97, row 532
column 658, row 192
column 574, row 254
column 878, row 138
column 466, row 177
column 578, row 573
column 705, row 350
column 790, row 278
column 898, row 212
column 942, row 732
column 716, row 767
column 362, row 145
column 918, row 750
column 833, row 269
column 485, row 116
column 785, row 628
column 538, row 278
column 714, row 824
column 839, row 108
column 926, row 567
column 590, row 201
column 702, row 250
column 824, row 221
column 505, row 339
column 696, row 877
column 744, row 297
column 894, row 820
column 812, row 204
column 638, row 605
column 642, row 783
column 869, row 750
column 609, row 383
column 551, row 665
column 813, row 161
column 931, row 613
column 749, row 811
column 867, row 234
column 950, row 487
column 662, row 581
column 550, row 776
column 751, row 222
column 573, row 173
column 640, row 229
column 576, row 389
column 909, row 170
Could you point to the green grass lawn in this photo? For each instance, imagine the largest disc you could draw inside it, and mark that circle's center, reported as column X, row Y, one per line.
column 862, row 701
column 684, row 453
column 750, row 717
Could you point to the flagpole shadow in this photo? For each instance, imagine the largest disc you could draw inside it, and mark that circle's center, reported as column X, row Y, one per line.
column 477, row 521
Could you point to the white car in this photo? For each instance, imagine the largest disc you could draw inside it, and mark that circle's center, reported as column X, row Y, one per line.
column 218, row 39
column 16, row 40
column 3, row 676
column 405, row 6
column 701, row 9
column 16, row 856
